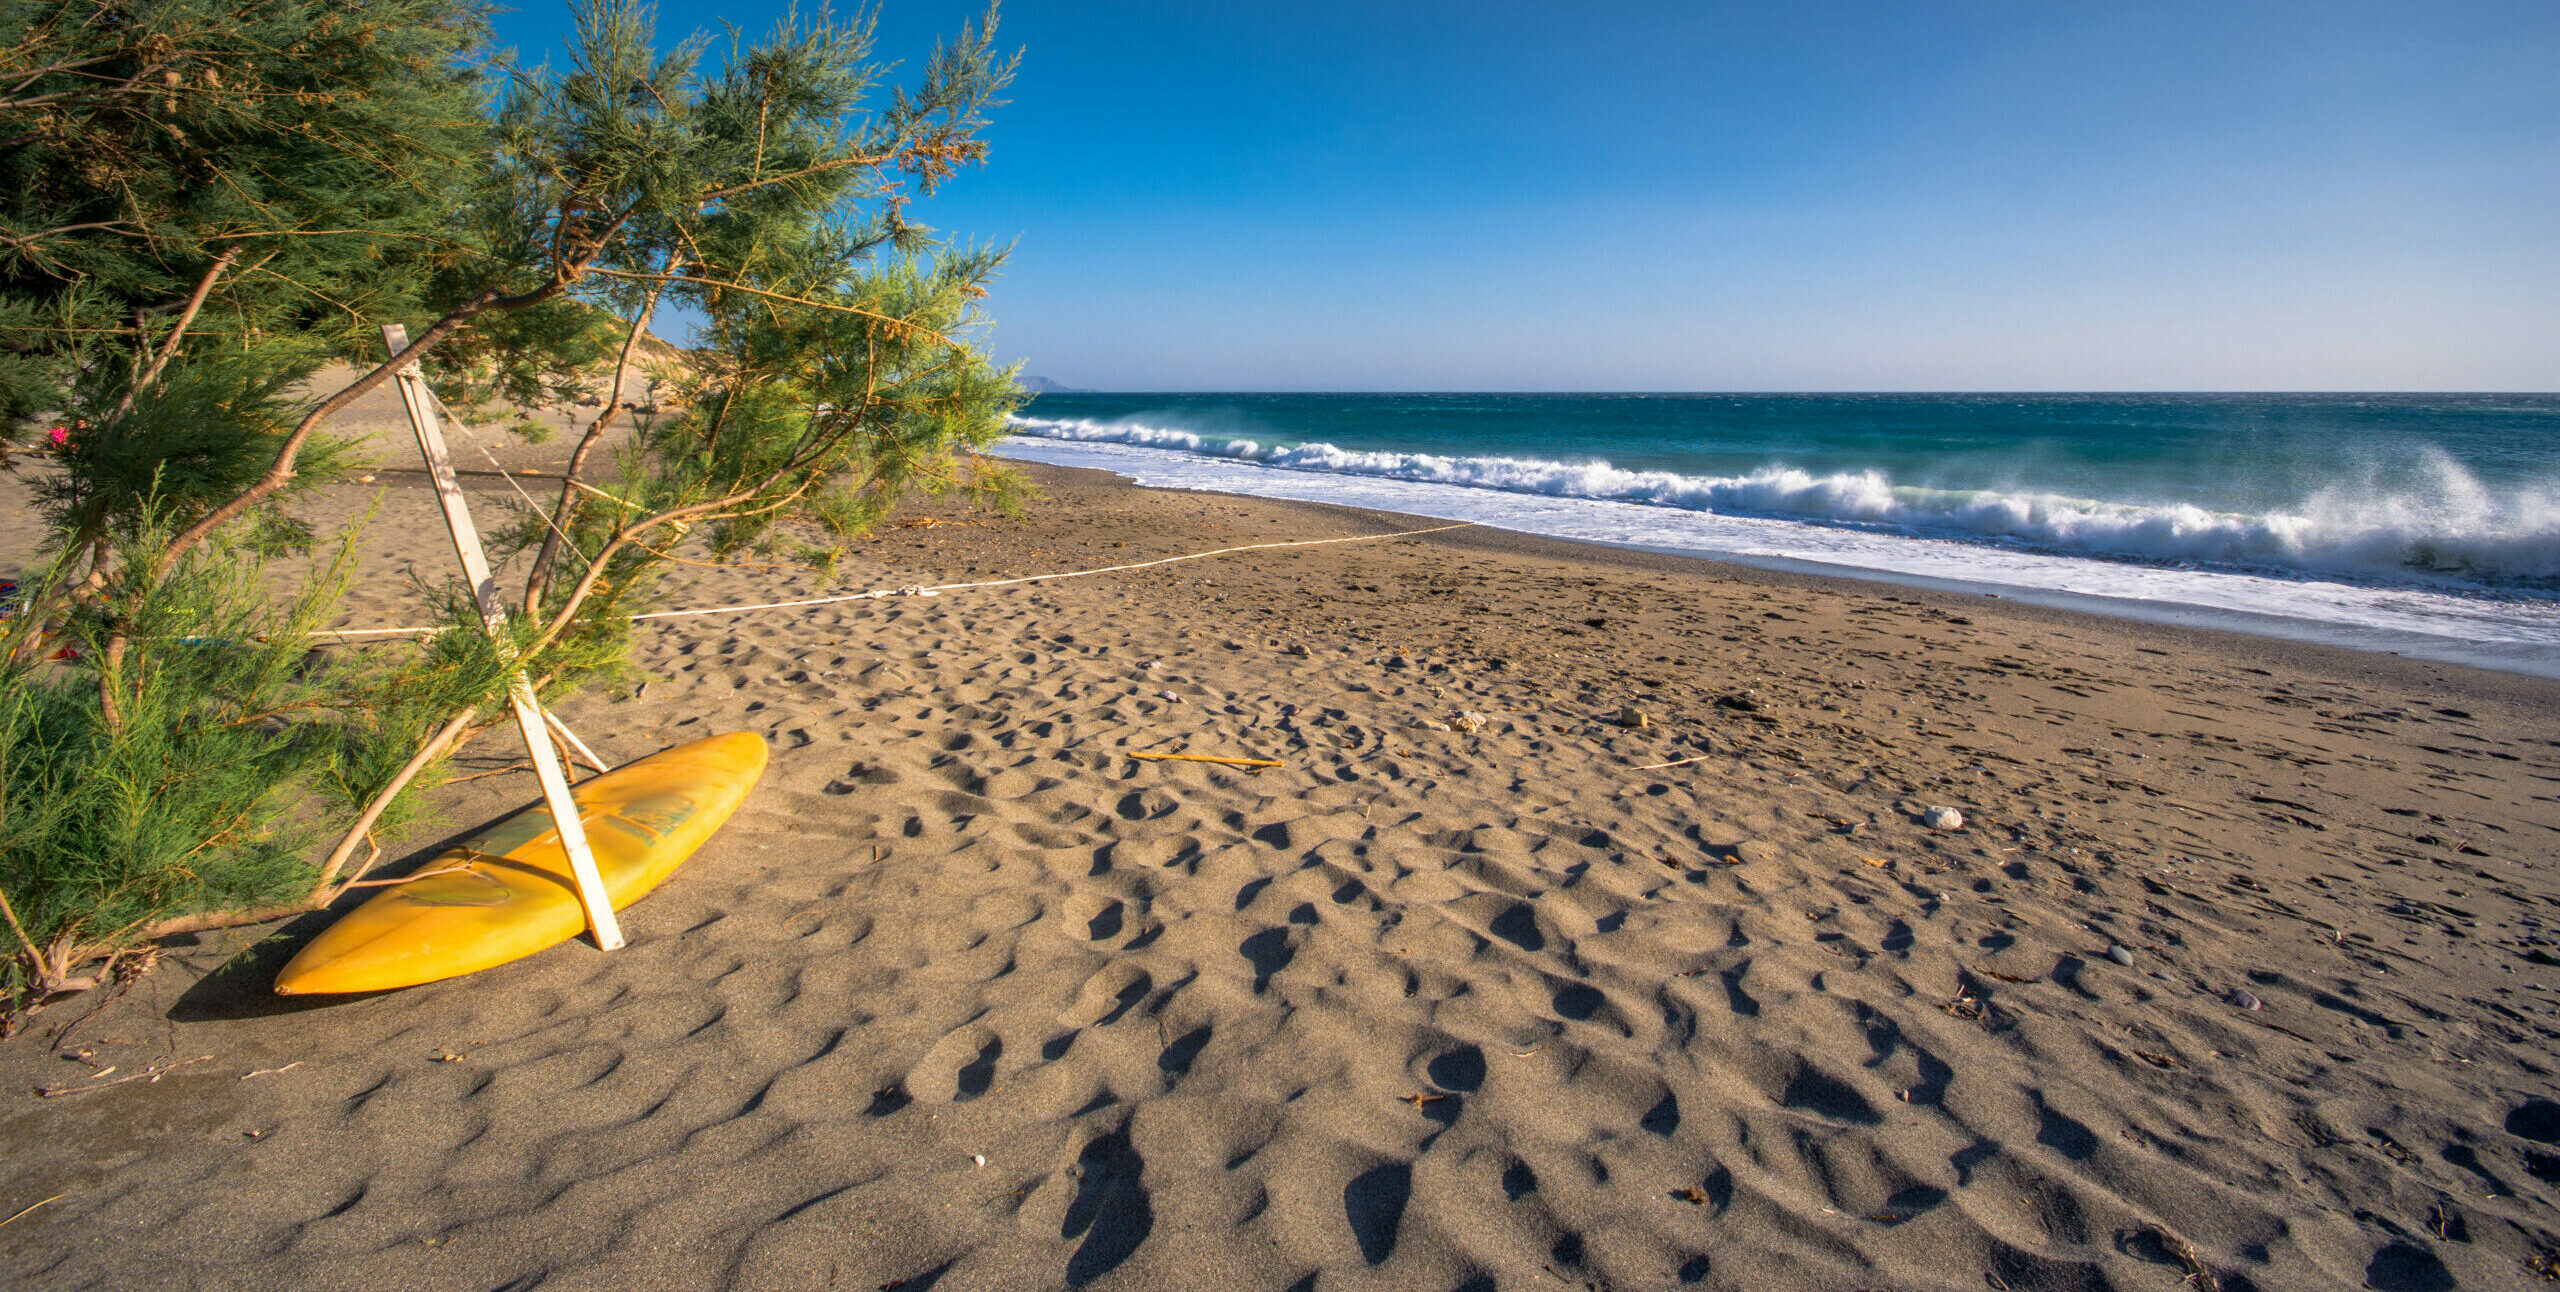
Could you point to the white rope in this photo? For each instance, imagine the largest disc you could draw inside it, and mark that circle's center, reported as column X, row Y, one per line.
column 464, row 426
column 939, row 589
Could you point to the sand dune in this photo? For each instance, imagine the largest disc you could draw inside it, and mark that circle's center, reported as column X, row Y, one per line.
column 2239, row 970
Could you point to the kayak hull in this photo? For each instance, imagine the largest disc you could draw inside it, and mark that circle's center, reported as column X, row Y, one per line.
column 507, row 892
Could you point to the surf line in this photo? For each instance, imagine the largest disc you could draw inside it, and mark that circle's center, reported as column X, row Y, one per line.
column 940, row 588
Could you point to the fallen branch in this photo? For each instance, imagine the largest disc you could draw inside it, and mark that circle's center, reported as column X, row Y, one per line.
column 403, row 879
column 509, row 769
column 1210, row 758
column 1676, row 762
column 2199, row 1275
column 152, row 1073
column 418, row 762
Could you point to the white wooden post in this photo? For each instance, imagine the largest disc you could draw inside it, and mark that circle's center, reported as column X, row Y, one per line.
column 493, row 613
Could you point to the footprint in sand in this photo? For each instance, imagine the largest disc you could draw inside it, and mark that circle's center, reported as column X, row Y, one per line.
column 1095, row 917
column 1107, row 995
column 1111, row 1210
column 960, row 1066
column 1185, row 1050
column 1269, row 952
column 1374, row 1204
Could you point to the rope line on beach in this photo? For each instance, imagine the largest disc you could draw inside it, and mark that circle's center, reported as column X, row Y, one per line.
column 549, row 522
column 940, row 588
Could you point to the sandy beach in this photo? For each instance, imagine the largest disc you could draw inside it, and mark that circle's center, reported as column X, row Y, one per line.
column 2240, row 971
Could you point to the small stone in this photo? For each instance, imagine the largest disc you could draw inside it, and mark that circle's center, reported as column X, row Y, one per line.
column 1942, row 818
column 2244, row 1000
column 1633, row 718
column 364, row 479
column 1467, row 722
column 978, row 1159
column 2118, row 954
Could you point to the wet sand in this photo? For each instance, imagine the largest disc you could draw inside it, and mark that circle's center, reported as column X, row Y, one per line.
column 2241, row 968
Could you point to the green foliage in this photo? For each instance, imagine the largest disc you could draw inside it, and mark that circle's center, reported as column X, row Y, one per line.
column 542, row 354
column 313, row 149
column 234, row 744
column 200, row 204
column 196, row 438
column 839, row 364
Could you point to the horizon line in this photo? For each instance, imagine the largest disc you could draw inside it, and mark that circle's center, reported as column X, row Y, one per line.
column 1806, row 393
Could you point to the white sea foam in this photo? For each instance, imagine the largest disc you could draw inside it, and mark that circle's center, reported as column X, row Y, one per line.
column 2454, row 528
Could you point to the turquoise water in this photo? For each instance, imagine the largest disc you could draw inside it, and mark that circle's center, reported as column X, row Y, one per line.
column 2424, row 514
column 2460, row 487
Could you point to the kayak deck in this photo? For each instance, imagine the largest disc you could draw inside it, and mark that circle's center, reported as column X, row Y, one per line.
column 506, row 892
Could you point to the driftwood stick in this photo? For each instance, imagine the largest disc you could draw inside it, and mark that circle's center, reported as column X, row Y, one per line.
column 1676, row 762
column 152, row 1073
column 1210, row 758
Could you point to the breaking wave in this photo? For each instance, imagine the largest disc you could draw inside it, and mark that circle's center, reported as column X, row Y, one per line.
column 2454, row 528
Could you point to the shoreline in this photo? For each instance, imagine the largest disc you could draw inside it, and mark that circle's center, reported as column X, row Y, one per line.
column 2241, row 951
column 2207, row 630
column 2412, row 618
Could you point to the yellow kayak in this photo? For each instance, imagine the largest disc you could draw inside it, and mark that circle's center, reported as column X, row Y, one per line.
column 507, row 892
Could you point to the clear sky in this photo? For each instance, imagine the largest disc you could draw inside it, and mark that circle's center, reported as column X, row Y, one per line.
column 1267, row 195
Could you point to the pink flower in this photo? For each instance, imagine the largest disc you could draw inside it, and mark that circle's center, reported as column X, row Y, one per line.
column 59, row 435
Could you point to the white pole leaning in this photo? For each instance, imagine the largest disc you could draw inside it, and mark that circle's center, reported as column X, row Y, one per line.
column 493, row 613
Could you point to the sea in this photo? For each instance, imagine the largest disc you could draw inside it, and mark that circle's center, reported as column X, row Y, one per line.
column 2422, row 524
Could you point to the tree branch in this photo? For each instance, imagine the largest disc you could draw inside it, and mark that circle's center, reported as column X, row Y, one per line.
column 178, row 331
column 859, row 159
column 698, row 281
column 418, row 762
column 280, row 472
column 564, row 512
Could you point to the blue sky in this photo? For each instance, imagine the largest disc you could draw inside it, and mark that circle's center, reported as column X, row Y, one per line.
column 1778, row 196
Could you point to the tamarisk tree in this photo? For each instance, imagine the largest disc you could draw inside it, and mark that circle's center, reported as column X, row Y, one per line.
column 202, row 202
column 762, row 186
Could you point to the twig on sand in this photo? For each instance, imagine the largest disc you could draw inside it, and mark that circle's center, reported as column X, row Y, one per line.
column 1210, row 758
column 152, row 1073
column 1676, row 762
column 410, row 879
column 497, row 771
column 24, row 1210
column 2199, row 1275
column 269, row 1072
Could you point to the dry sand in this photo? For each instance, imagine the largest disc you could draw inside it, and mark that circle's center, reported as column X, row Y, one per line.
column 966, row 998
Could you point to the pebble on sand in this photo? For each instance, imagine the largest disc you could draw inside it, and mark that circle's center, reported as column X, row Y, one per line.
column 1942, row 818
column 1633, row 718
column 2119, row 954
